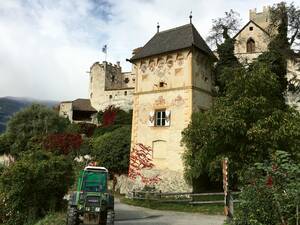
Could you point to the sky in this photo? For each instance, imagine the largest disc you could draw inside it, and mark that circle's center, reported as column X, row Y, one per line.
column 48, row 46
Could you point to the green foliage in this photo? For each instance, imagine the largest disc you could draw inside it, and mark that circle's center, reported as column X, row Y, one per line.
column 30, row 125
column 120, row 118
column 5, row 143
column 112, row 149
column 245, row 125
column 226, row 60
column 33, row 186
column 271, row 194
column 53, row 219
column 224, row 27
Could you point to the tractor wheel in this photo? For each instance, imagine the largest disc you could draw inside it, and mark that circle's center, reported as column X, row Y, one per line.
column 110, row 217
column 103, row 216
column 72, row 218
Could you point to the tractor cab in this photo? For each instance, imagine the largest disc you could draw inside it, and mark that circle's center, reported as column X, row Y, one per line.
column 92, row 201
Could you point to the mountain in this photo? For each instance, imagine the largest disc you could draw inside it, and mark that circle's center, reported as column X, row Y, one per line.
column 11, row 105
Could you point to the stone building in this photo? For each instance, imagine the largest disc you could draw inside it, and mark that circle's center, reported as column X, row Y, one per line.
column 78, row 111
column 108, row 86
column 253, row 39
column 173, row 79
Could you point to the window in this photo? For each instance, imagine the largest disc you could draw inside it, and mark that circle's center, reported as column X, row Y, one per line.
column 250, row 45
column 160, row 118
column 251, row 28
column 110, row 96
column 161, row 84
column 125, row 93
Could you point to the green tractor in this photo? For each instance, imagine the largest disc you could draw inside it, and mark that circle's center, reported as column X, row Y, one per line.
column 91, row 203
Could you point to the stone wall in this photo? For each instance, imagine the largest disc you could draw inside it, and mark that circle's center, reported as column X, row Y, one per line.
column 251, row 31
column 65, row 110
column 170, row 181
column 109, row 86
column 293, row 75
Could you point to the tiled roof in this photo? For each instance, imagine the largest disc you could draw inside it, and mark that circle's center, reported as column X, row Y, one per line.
column 174, row 39
column 81, row 104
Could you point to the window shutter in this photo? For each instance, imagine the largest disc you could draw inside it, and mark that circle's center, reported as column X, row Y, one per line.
column 168, row 116
column 151, row 120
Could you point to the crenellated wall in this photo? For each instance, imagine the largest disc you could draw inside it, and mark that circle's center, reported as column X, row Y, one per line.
column 110, row 86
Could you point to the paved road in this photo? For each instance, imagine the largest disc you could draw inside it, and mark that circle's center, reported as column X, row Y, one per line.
column 132, row 215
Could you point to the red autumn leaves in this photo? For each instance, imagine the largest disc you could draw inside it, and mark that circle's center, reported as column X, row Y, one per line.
column 141, row 158
column 63, row 143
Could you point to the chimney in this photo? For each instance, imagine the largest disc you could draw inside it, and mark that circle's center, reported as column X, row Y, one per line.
column 118, row 63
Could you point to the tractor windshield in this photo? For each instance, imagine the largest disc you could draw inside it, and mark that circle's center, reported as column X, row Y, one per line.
column 94, row 181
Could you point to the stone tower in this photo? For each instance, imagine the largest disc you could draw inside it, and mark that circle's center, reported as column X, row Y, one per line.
column 110, row 86
column 173, row 80
column 253, row 38
column 260, row 18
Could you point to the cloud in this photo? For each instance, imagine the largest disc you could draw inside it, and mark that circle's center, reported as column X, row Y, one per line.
column 47, row 46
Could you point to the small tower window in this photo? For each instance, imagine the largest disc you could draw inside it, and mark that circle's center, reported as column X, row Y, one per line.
column 160, row 117
column 250, row 46
column 125, row 93
column 110, row 96
column 161, row 84
column 251, row 28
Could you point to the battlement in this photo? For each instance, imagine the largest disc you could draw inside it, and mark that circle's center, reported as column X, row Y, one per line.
column 261, row 18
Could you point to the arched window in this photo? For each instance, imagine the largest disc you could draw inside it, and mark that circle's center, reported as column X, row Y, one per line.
column 250, row 45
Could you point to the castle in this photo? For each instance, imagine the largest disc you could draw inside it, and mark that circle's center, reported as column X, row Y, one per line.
column 171, row 77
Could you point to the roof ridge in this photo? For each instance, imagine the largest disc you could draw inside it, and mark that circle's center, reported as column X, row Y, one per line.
column 175, row 28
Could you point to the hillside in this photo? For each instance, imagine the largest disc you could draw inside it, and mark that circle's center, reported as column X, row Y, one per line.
column 10, row 105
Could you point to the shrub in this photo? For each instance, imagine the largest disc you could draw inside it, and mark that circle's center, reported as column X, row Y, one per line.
column 33, row 186
column 112, row 149
column 272, row 193
column 63, row 143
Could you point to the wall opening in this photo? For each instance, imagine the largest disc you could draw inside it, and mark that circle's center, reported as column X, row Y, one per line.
column 250, row 45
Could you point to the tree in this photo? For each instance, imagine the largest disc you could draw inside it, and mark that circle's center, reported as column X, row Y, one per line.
column 112, row 149
column 5, row 144
column 244, row 125
column 30, row 125
column 220, row 35
column 33, row 186
column 286, row 20
column 223, row 28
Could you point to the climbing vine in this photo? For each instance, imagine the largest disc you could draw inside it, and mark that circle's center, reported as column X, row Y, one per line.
column 140, row 158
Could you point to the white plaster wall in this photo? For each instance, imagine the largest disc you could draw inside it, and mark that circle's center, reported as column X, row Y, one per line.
column 65, row 110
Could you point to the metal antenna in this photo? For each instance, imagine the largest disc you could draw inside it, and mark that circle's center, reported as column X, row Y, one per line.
column 191, row 16
column 157, row 27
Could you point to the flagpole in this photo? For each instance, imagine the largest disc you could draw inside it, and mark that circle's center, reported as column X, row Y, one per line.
column 104, row 50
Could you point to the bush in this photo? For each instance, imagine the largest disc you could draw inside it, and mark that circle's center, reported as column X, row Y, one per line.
column 33, row 186
column 272, row 193
column 63, row 143
column 30, row 125
column 53, row 219
column 112, row 149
